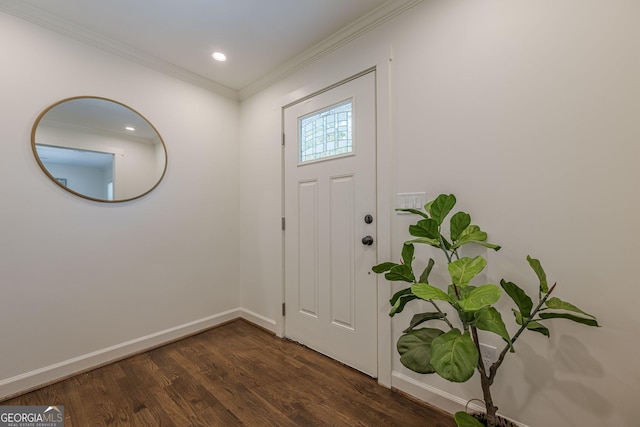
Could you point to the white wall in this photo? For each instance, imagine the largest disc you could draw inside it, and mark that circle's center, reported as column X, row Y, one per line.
column 82, row 282
column 527, row 111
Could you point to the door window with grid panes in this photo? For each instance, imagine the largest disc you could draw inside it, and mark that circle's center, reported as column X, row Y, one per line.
column 327, row 133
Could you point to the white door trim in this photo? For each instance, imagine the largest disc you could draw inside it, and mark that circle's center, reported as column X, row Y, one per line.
column 384, row 151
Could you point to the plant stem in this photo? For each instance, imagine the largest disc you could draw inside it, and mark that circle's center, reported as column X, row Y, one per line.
column 486, row 382
column 444, row 316
column 444, row 249
column 448, row 255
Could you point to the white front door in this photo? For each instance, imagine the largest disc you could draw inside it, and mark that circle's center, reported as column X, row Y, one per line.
column 330, row 201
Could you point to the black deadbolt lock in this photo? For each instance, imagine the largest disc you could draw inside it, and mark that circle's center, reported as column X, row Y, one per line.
column 368, row 219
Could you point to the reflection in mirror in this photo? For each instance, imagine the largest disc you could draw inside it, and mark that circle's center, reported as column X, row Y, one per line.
column 99, row 149
column 88, row 172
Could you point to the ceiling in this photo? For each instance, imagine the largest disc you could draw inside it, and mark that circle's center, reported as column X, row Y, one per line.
column 263, row 39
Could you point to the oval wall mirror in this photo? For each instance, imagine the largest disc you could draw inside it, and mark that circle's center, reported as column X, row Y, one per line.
column 99, row 149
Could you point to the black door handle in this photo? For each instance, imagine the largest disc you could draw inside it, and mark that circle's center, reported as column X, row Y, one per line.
column 367, row 240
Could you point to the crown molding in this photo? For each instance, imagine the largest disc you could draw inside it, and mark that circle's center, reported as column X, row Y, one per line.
column 87, row 36
column 366, row 23
column 359, row 27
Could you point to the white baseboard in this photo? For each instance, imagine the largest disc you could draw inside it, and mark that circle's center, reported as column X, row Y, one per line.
column 31, row 380
column 436, row 397
column 258, row 320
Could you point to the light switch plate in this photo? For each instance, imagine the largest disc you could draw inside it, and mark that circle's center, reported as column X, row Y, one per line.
column 410, row 201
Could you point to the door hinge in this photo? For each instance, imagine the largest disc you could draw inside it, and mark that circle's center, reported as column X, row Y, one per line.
column 283, row 138
column 284, row 310
column 283, row 223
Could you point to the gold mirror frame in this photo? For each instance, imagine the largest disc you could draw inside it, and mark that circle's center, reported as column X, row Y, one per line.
column 97, row 110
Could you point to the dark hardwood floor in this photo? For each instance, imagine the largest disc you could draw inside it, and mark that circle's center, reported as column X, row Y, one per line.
column 232, row 375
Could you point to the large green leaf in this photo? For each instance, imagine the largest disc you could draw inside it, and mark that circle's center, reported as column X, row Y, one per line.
column 428, row 228
column 420, row 318
column 489, row 319
column 558, row 304
column 454, row 356
column 481, row 297
column 427, row 207
column 445, row 243
column 473, row 234
column 451, row 291
column 384, row 267
column 399, row 300
column 537, row 327
column 400, row 273
column 415, row 349
column 428, row 292
column 464, row 269
column 588, row 322
column 441, row 207
column 399, row 305
column 425, row 240
column 424, row 277
column 400, row 293
column 465, row 420
column 413, row 211
column 471, row 229
column 458, row 223
column 407, row 254
column 542, row 276
column 518, row 296
column 490, row 246
column 519, row 317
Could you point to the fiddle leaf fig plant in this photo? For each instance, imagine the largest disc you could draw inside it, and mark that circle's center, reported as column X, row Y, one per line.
column 450, row 347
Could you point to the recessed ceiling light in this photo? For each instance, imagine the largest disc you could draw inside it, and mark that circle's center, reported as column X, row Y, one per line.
column 129, row 128
column 219, row 56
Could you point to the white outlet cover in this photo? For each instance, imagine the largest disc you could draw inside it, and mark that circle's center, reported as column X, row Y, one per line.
column 488, row 353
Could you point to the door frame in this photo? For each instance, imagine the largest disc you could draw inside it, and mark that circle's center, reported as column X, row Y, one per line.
column 380, row 64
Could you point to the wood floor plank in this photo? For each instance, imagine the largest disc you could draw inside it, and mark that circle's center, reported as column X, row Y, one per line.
column 233, row 375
